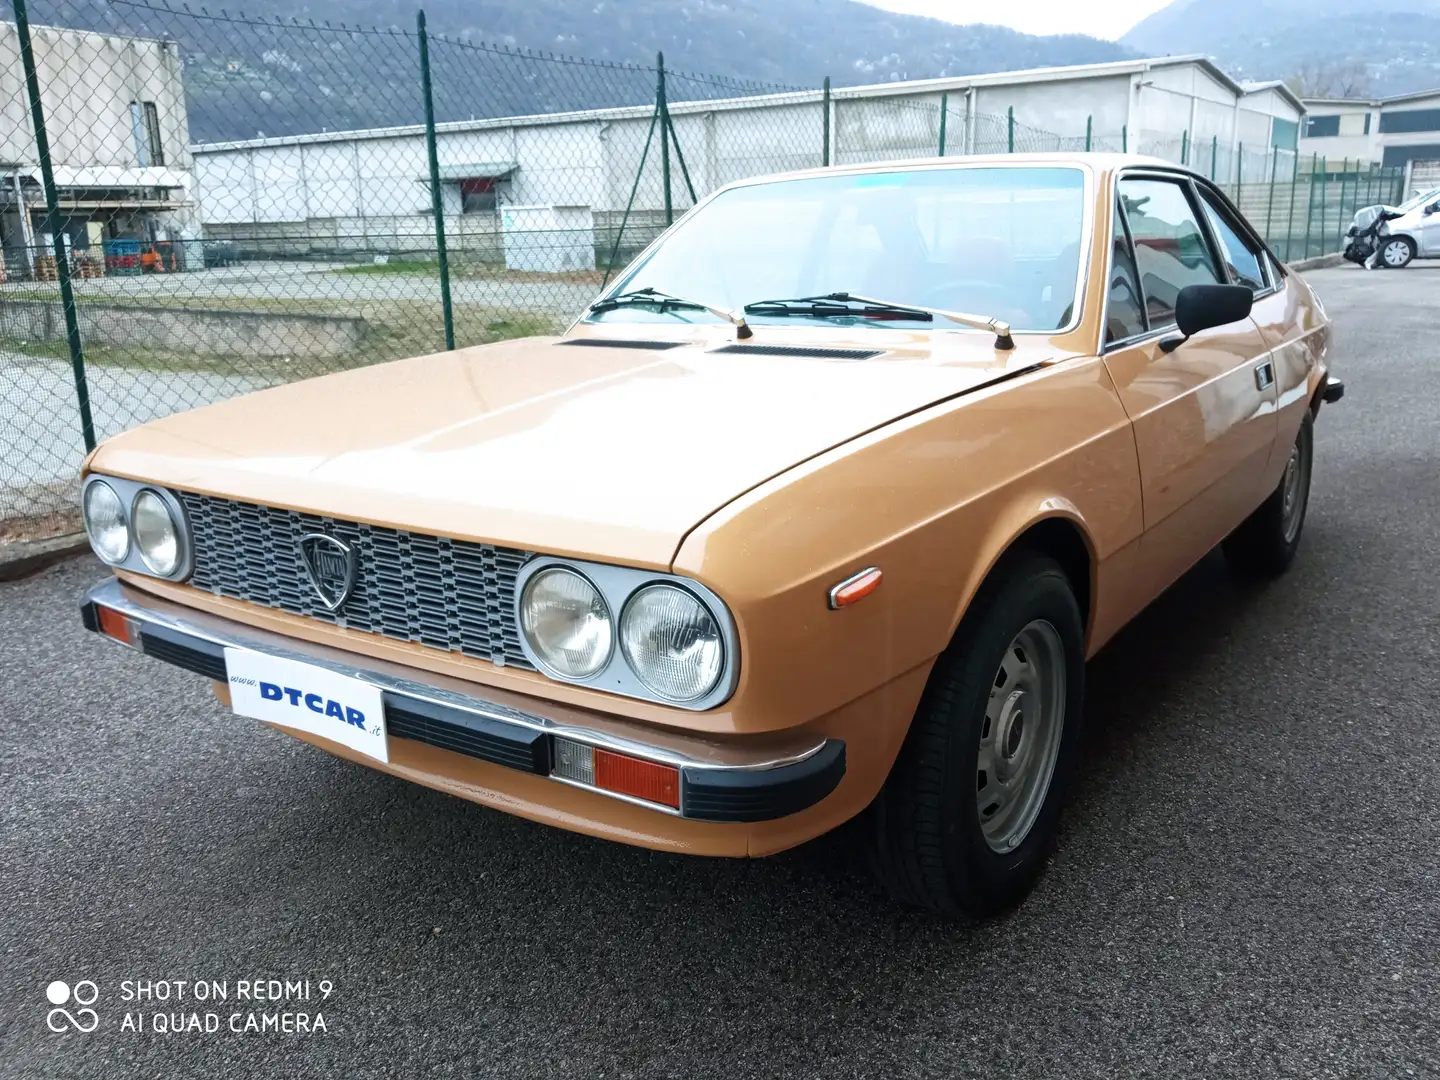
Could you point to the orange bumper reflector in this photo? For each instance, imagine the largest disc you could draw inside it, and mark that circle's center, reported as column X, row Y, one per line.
column 113, row 624
column 640, row 779
column 855, row 588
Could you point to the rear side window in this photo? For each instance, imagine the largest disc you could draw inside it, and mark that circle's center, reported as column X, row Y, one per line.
column 1170, row 247
column 1242, row 260
column 1124, row 312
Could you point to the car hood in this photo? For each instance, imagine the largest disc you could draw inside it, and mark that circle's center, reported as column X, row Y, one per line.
column 613, row 453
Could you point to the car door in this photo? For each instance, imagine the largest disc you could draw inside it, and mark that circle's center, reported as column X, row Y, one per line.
column 1428, row 241
column 1203, row 414
column 1246, row 262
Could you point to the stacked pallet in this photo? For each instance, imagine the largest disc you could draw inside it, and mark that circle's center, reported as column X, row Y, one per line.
column 45, row 268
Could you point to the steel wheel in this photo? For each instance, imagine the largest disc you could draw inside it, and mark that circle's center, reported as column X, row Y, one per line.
column 1020, row 737
column 1395, row 253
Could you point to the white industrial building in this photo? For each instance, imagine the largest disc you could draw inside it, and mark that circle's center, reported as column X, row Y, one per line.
column 565, row 180
column 1399, row 131
column 119, row 144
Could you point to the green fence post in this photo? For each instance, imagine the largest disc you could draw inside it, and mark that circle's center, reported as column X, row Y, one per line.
column 1324, row 190
column 1239, row 174
column 1344, row 170
column 825, row 148
column 1010, row 128
column 1270, row 202
column 1185, row 147
column 679, row 154
column 437, row 204
column 1214, row 153
column 52, row 224
column 1124, row 138
column 944, row 110
column 664, row 142
column 1290, row 216
column 630, row 203
column 1309, row 206
column 1089, row 127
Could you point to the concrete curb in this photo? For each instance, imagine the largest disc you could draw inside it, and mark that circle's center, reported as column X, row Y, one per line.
column 1319, row 262
column 21, row 558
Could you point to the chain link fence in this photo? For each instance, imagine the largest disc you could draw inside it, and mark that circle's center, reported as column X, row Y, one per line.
column 199, row 204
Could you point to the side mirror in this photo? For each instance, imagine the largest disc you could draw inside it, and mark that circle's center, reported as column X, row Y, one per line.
column 1431, row 209
column 1199, row 307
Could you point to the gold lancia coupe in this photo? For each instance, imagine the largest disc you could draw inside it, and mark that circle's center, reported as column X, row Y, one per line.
column 819, row 509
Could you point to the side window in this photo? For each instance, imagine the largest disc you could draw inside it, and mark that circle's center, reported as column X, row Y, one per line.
column 1170, row 247
column 1124, row 313
column 1242, row 261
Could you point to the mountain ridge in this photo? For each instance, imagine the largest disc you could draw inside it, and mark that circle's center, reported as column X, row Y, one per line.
column 1344, row 47
column 251, row 75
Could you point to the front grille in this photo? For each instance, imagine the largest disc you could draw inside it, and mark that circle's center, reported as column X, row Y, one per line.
column 449, row 594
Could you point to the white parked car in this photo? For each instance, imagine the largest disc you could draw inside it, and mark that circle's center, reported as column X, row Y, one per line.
column 1401, row 233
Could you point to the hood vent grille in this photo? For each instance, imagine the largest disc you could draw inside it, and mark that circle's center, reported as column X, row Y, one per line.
column 801, row 350
column 614, row 343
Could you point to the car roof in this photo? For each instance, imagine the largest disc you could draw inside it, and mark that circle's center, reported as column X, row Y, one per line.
column 1099, row 161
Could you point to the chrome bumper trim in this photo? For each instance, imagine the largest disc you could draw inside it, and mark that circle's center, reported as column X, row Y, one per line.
column 218, row 633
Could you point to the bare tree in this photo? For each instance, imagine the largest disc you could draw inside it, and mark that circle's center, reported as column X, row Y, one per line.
column 1327, row 78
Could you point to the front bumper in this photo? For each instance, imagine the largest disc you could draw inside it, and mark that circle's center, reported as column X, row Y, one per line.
column 728, row 784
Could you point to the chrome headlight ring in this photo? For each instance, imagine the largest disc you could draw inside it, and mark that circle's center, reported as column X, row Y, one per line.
column 619, row 586
column 130, row 492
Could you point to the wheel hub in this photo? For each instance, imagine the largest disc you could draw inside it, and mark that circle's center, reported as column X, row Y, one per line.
column 1020, row 736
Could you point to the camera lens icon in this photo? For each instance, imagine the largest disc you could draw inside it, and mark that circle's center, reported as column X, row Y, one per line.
column 60, row 993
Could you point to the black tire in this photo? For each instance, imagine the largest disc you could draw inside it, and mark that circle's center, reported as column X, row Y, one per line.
column 1386, row 242
column 1266, row 542
column 928, row 843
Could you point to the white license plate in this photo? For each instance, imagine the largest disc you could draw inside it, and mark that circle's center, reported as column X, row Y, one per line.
column 307, row 698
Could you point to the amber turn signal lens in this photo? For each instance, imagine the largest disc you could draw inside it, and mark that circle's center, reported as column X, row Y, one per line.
column 113, row 624
column 639, row 779
column 855, row 588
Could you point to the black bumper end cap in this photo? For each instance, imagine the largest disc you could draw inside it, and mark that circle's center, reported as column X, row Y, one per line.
column 745, row 795
column 1333, row 392
column 90, row 616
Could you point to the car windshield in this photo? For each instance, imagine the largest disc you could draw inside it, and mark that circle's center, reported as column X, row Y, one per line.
column 1418, row 200
column 1001, row 241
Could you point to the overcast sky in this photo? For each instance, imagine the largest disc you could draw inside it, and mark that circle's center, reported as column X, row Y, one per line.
column 1099, row 18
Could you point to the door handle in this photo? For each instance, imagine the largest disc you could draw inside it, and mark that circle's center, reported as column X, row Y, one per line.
column 1265, row 376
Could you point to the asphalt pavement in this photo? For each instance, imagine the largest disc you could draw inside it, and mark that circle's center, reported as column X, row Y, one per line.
column 1247, row 885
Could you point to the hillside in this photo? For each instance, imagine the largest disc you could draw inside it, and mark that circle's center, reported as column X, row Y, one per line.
column 246, row 76
column 1335, row 46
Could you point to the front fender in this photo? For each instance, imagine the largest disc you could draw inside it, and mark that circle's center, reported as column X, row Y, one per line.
column 934, row 500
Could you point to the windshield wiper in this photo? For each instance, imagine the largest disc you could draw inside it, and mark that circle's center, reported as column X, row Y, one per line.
column 663, row 300
column 828, row 306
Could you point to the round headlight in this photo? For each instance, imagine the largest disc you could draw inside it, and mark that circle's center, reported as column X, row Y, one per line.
column 105, row 522
column 566, row 623
column 157, row 537
column 672, row 642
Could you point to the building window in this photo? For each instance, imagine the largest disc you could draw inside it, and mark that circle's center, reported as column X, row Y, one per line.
column 1410, row 120
column 152, row 134
column 1367, row 123
column 145, row 127
column 477, row 195
column 1395, row 157
column 1320, row 127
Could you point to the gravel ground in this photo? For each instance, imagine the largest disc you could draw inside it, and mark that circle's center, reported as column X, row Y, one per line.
column 323, row 281
column 1246, row 885
column 40, row 437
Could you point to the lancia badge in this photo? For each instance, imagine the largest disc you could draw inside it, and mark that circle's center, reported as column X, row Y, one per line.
column 331, row 566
